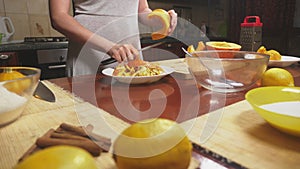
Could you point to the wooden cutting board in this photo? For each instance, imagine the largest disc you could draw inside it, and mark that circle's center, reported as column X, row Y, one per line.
column 179, row 65
column 244, row 137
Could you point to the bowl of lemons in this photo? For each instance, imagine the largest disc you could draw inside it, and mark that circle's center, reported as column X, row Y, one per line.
column 279, row 106
column 236, row 73
column 17, row 85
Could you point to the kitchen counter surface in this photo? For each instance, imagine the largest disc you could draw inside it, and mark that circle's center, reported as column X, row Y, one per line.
column 19, row 46
column 102, row 102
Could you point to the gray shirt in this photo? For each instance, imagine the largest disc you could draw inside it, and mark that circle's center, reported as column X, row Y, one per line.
column 116, row 20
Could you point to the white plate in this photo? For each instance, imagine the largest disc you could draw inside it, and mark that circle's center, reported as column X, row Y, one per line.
column 284, row 62
column 138, row 79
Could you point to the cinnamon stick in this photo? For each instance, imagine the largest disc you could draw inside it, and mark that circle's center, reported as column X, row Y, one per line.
column 73, row 129
column 88, row 145
column 67, row 136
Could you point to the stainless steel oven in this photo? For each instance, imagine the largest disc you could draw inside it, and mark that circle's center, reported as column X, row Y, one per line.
column 47, row 53
column 52, row 62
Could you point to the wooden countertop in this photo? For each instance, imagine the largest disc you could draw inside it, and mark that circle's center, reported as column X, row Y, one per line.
column 180, row 91
column 176, row 97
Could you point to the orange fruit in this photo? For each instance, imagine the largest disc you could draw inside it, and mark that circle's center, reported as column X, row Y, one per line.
column 216, row 45
column 277, row 77
column 164, row 17
column 153, row 143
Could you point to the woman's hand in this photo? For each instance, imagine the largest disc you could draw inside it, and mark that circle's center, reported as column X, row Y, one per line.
column 173, row 21
column 123, row 52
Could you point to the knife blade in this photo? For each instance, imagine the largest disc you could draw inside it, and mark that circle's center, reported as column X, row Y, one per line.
column 112, row 60
column 44, row 93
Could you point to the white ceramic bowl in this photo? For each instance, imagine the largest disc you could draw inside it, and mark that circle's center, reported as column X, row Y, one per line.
column 237, row 73
column 15, row 94
column 139, row 79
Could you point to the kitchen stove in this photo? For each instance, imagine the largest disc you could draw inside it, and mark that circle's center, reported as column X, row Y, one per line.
column 45, row 39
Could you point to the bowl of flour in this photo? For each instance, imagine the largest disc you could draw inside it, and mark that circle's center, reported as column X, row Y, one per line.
column 279, row 106
column 15, row 93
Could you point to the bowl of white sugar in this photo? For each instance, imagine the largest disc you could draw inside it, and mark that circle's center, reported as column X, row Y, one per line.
column 279, row 106
column 17, row 85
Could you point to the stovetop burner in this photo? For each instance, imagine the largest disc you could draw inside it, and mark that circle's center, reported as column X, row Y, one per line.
column 45, row 39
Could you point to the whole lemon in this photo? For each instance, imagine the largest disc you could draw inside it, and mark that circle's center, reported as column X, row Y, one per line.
column 153, row 143
column 277, row 77
column 14, row 86
column 59, row 157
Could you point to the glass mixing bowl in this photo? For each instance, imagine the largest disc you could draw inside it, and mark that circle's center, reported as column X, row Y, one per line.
column 233, row 74
column 17, row 85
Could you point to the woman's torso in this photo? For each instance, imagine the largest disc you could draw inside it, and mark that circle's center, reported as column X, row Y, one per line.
column 115, row 20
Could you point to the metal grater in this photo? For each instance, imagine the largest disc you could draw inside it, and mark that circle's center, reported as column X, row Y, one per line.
column 251, row 33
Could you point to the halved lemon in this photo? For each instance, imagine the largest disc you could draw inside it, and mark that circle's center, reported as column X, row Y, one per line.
column 216, row 45
column 200, row 46
column 191, row 49
column 165, row 20
column 274, row 55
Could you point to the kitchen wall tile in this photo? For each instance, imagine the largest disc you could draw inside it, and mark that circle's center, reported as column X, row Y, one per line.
column 37, row 7
column 2, row 9
column 21, row 24
column 55, row 33
column 16, row 6
column 39, row 25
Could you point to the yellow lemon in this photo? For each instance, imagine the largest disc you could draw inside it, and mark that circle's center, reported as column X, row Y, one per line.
column 56, row 157
column 153, row 143
column 222, row 45
column 216, row 45
column 165, row 20
column 14, row 86
column 191, row 49
column 277, row 77
column 200, row 46
column 274, row 55
column 262, row 49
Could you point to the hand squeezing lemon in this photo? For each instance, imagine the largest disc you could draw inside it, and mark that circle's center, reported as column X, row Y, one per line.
column 164, row 17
